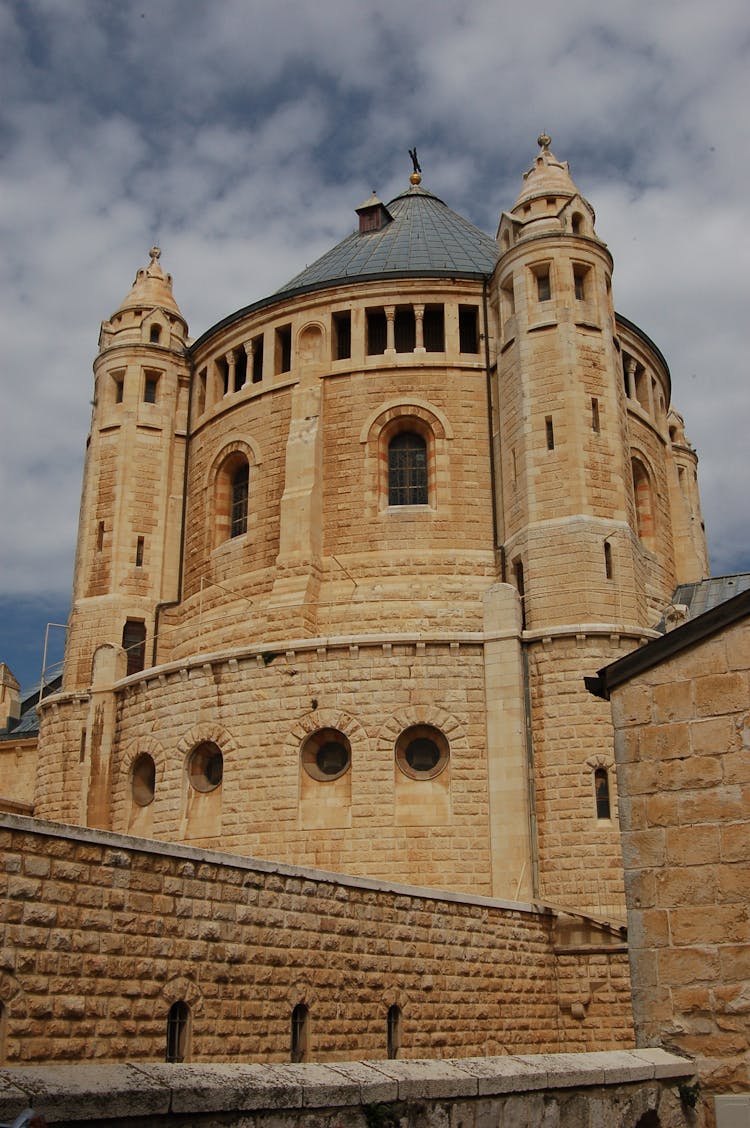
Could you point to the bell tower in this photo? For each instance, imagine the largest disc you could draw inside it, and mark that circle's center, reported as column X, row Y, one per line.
column 563, row 429
column 128, row 553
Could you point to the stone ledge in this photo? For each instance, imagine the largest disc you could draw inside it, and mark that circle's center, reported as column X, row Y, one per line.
column 103, row 1092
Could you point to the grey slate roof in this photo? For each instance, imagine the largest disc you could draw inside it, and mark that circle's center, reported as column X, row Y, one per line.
column 703, row 595
column 424, row 239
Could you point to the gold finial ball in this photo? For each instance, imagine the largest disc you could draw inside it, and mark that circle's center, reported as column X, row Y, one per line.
column 544, row 140
column 155, row 253
column 415, row 178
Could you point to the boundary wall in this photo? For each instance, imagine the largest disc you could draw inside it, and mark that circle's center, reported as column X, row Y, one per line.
column 102, row 934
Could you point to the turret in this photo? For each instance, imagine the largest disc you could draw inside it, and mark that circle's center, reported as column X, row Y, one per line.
column 130, row 523
column 566, row 504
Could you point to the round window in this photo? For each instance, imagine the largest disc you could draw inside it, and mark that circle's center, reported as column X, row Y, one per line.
column 206, row 767
column 143, row 780
column 422, row 752
column 326, row 755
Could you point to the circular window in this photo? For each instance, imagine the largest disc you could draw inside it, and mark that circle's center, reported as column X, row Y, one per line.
column 326, row 754
column 422, row 752
column 206, row 767
column 143, row 781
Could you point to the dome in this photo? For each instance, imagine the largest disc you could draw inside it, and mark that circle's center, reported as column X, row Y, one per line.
column 418, row 235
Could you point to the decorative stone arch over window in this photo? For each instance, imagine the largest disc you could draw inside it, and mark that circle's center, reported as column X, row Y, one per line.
column 205, row 734
column 326, row 721
column 228, row 488
column 398, row 417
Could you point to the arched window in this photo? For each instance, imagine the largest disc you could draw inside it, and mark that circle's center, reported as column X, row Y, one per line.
column 299, row 1032
column 178, row 1032
column 393, row 1031
column 154, row 334
column 601, row 793
column 231, row 498
column 326, row 755
column 644, row 504
column 143, row 780
column 407, row 469
column 240, row 482
column 206, row 766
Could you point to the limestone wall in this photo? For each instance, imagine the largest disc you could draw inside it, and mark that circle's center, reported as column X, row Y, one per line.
column 683, row 751
column 102, row 934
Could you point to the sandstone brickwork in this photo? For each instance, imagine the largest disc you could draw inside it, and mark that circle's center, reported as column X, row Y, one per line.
column 683, row 761
column 102, row 934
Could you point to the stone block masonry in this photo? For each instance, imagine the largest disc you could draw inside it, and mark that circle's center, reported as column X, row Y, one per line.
column 102, row 934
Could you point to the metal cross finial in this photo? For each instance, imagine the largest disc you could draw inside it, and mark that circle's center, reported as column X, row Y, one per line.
column 414, row 161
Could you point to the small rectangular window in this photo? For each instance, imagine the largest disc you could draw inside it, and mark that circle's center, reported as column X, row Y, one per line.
column 150, row 388
column 579, row 282
column 118, row 380
column 543, row 286
column 200, row 405
column 595, row 414
column 257, row 359
column 550, row 432
column 468, row 329
column 342, row 335
column 433, row 325
column 82, row 747
column 134, row 644
column 283, row 349
column 139, row 552
column 100, row 537
column 376, row 332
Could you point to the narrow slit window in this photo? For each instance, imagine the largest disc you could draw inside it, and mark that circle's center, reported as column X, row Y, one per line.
column 119, row 383
column 550, row 430
column 100, row 537
column 240, row 369
column 608, row 560
column 178, row 1022
column 579, row 282
column 601, row 791
column 222, row 367
column 200, row 406
column 393, row 1031
column 543, row 286
column 518, row 572
column 139, row 552
column 595, row 415
column 300, row 1032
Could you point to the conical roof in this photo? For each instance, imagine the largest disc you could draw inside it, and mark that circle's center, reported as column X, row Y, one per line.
column 152, row 288
column 547, row 176
column 423, row 238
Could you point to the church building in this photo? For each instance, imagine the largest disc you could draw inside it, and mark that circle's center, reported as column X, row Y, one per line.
column 344, row 560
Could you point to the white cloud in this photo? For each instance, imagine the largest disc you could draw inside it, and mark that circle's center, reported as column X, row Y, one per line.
column 241, row 135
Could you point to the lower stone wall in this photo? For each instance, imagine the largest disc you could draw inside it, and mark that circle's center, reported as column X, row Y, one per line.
column 641, row 1089
column 102, row 934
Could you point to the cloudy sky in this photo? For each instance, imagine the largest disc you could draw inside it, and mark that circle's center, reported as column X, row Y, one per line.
column 241, row 134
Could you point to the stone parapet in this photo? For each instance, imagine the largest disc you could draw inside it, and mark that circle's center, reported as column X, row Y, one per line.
column 584, row 1089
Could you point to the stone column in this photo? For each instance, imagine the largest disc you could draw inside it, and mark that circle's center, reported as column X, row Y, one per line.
column 232, row 366
column 419, row 328
column 390, row 329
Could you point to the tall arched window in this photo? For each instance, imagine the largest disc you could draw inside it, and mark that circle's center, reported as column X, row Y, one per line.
column 240, row 482
column 178, row 1032
column 601, row 792
column 407, row 469
column 644, row 504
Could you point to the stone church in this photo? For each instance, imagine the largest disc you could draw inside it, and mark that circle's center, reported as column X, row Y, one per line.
column 344, row 559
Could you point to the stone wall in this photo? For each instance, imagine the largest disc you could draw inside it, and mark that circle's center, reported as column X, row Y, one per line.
column 621, row 1090
column 102, row 934
column 682, row 738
